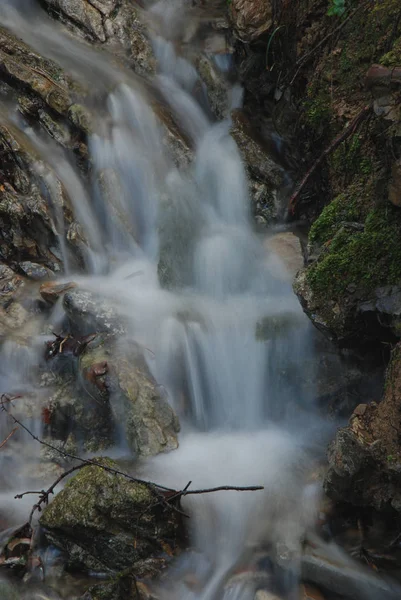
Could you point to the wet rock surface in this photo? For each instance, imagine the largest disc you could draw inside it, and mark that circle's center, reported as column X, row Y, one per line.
column 120, row 376
column 115, row 399
column 89, row 313
column 103, row 522
column 341, row 579
column 13, row 314
column 110, row 23
column 364, row 459
column 265, row 175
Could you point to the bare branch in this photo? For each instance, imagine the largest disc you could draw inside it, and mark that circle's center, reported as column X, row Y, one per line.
column 4, row 442
column 361, row 116
column 165, row 495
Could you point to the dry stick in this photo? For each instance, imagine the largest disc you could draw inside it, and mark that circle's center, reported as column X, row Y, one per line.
column 4, row 442
column 336, row 142
column 90, row 462
column 84, row 461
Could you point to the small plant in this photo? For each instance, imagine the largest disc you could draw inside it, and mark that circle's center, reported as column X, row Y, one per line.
column 336, row 8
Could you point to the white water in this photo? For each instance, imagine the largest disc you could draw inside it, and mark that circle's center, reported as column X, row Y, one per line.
column 245, row 420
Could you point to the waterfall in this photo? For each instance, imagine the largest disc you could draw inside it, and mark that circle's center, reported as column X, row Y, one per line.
column 244, row 418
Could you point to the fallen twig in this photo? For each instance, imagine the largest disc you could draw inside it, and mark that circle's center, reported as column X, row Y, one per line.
column 169, row 493
column 4, row 442
column 44, row 494
column 336, row 142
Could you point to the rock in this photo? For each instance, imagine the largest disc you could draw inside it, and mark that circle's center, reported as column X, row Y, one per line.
column 117, row 384
column 34, row 271
column 89, row 313
column 104, row 522
column 256, row 158
column 382, row 311
column 384, row 84
column 43, row 78
column 265, row 175
column 113, row 23
column 123, row 587
column 365, row 457
column 13, row 315
column 138, row 404
column 30, row 210
column 344, row 579
column 264, row 202
column 251, row 18
column 288, row 248
column 80, row 12
column 52, row 291
column 118, row 590
column 248, row 579
column 217, row 88
column 310, row 592
column 350, row 320
column 265, row 595
column 75, row 421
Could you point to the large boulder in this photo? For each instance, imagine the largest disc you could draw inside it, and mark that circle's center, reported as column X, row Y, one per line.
column 119, row 375
column 365, row 457
column 119, row 400
column 351, row 289
column 105, row 522
column 251, row 18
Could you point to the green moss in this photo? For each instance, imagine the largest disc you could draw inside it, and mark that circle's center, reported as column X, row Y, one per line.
column 368, row 259
column 344, row 208
column 350, row 158
column 93, row 490
column 393, row 58
column 317, row 108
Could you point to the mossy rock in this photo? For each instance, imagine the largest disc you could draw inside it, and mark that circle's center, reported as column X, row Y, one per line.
column 105, row 522
column 351, row 291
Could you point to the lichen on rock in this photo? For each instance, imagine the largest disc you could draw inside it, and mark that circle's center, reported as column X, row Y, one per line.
column 105, row 522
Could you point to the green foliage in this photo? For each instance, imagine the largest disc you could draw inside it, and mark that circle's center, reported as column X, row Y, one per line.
column 337, row 8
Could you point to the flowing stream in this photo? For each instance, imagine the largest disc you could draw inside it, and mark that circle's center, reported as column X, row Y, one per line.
column 173, row 248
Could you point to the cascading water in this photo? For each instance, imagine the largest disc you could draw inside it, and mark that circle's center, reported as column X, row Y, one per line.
column 174, row 250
